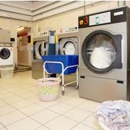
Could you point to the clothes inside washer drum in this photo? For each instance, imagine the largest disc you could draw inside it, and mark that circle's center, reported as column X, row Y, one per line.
column 100, row 58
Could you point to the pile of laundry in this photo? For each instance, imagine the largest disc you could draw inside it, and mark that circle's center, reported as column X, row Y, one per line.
column 100, row 58
column 114, row 114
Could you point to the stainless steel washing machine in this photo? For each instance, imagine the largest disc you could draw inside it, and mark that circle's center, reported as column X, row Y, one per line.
column 104, row 55
column 39, row 48
column 68, row 44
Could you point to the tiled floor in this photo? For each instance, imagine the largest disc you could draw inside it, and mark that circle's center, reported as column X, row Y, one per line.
column 20, row 108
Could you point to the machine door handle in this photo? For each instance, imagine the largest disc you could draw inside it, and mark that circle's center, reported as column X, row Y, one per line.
column 83, row 77
column 120, row 82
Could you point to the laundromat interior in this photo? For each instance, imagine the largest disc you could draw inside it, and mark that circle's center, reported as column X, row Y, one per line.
column 61, row 61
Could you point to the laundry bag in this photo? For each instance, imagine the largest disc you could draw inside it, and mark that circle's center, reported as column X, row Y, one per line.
column 48, row 88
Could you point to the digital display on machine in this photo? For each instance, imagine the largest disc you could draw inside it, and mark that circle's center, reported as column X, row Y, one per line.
column 100, row 18
column 103, row 18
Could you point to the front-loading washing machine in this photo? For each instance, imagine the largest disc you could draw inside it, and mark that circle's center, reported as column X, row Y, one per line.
column 6, row 54
column 68, row 44
column 39, row 48
column 104, row 55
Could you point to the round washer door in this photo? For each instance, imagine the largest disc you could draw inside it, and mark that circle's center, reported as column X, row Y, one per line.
column 101, row 51
column 44, row 48
column 37, row 50
column 4, row 53
column 69, row 48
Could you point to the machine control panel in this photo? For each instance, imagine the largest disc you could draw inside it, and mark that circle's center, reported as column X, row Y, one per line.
column 102, row 18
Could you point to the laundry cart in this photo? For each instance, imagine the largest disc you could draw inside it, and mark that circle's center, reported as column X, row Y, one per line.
column 62, row 65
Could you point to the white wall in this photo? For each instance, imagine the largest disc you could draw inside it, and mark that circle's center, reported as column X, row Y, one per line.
column 70, row 18
column 64, row 20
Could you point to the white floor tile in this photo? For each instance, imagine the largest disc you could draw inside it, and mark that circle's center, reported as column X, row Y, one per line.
column 7, row 86
column 19, row 91
column 12, row 89
column 2, row 103
column 21, row 104
column 75, row 101
column 27, row 94
column 61, row 123
column 32, row 89
column 63, row 98
column 6, row 109
column 1, row 126
column 89, row 106
column 92, row 122
column 25, row 124
column 69, row 88
column 42, row 128
column 3, row 91
column 32, row 109
column 44, row 116
column 34, row 99
column 77, row 114
column 12, row 117
column 48, row 104
column 6, row 95
column 61, row 108
column 3, row 129
column 82, row 127
column 73, row 93
column 12, row 99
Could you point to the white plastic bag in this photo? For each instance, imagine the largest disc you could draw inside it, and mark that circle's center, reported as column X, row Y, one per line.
column 100, row 58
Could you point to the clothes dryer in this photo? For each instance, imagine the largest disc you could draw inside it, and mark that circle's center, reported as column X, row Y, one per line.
column 39, row 48
column 104, row 55
column 68, row 44
column 6, row 54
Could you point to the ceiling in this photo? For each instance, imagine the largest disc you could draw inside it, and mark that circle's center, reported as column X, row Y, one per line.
column 29, row 10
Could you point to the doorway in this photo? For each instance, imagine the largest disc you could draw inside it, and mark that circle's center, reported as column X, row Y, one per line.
column 23, row 48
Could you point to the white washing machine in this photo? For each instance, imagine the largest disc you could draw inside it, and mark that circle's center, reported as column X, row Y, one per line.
column 104, row 55
column 6, row 55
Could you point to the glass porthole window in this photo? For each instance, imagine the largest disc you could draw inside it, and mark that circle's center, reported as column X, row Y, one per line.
column 69, row 48
column 101, row 51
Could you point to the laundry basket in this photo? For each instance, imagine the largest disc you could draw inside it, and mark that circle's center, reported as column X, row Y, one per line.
column 67, row 60
column 48, row 88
